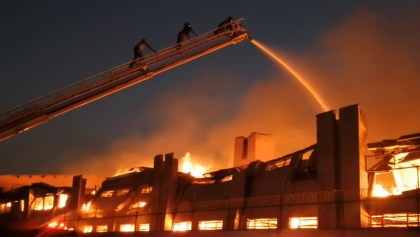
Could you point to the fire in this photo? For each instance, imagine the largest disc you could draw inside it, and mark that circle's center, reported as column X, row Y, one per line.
column 380, row 191
column 86, row 206
column 194, row 169
column 121, row 171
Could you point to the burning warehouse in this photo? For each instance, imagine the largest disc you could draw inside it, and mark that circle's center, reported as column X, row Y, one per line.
column 339, row 185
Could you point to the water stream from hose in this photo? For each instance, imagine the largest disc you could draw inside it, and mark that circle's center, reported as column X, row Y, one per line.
column 299, row 78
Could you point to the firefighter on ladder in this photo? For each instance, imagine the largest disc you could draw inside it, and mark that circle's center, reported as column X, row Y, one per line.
column 138, row 52
column 185, row 34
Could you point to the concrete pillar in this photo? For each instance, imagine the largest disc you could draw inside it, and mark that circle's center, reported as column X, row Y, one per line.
column 79, row 189
column 353, row 178
column 327, row 167
column 164, row 187
column 240, row 152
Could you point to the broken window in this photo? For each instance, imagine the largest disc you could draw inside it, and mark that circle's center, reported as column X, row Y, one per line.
column 147, row 189
column 102, row 228
column 122, row 192
column 127, row 228
column 182, row 226
column 262, row 223
column 395, row 220
column 107, row 193
column 303, row 222
column 279, row 163
column 210, row 225
column 144, row 227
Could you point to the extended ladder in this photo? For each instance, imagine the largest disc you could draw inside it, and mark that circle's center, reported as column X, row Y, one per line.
column 35, row 112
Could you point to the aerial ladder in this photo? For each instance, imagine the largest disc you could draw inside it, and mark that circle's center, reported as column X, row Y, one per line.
column 37, row 111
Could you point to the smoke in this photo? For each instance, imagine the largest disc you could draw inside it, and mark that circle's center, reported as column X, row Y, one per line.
column 369, row 59
column 372, row 59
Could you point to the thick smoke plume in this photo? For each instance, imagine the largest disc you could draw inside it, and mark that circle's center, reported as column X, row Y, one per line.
column 368, row 59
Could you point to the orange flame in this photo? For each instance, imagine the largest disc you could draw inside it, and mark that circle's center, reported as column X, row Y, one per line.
column 194, row 169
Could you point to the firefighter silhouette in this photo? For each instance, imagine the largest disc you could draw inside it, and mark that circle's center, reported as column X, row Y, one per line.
column 138, row 52
column 185, row 34
column 225, row 25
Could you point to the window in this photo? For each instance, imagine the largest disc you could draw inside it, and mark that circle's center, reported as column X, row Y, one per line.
column 227, row 178
column 182, row 226
column 22, row 205
column 147, row 189
column 261, row 223
column 303, row 222
column 123, row 192
column 210, row 225
column 279, row 163
column 38, row 204
column 5, row 207
column 395, row 220
column 127, row 228
column 101, row 228
column 62, row 200
column 107, row 193
column 87, row 229
column 144, row 227
column 138, row 205
column 48, row 202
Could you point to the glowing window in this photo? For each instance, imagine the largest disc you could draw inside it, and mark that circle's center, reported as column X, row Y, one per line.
column 126, row 228
column 62, row 200
column 48, row 202
column 86, row 207
column 182, row 226
column 22, row 205
column 87, row 229
column 279, row 164
column 227, row 178
column 38, row 204
column 303, row 222
column 123, row 192
column 144, row 227
column 101, row 228
column 107, row 193
column 395, row 220
column 138, row 205
column 210, row 225
column 8, row 206
column 5, row 207
column 261, row 223
column 147, row 189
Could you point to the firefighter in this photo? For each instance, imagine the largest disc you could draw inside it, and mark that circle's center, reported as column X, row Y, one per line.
column 225, row 25
column 185, row 34
column 138, row 51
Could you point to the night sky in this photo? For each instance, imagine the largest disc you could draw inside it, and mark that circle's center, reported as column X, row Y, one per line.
column 352, row 52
